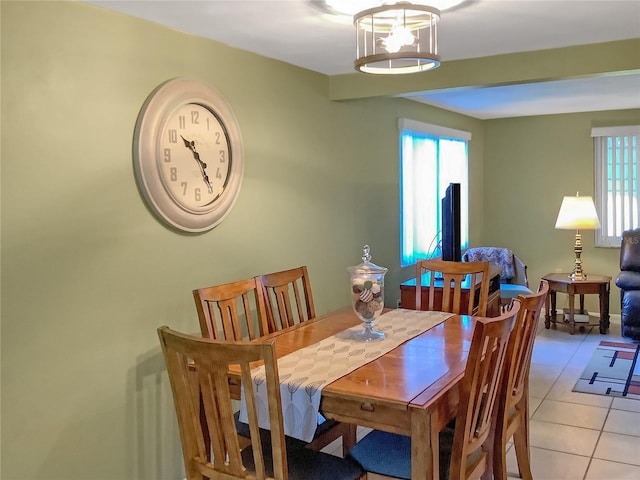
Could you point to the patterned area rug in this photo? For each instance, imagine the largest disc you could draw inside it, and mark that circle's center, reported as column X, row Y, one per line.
column 614, row 370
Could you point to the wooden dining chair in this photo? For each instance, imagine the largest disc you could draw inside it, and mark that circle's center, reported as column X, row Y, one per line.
column 237, row 311
column 466, row 451
column 289, row 301
column 288, row 297
column 456, row 287
column 232, row 311
column 513, row 409
column 271, row 455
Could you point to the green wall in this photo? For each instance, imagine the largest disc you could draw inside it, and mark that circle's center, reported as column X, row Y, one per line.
column 88, row 274
column 534, row 162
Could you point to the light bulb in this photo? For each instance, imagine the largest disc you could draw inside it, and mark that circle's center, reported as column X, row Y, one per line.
column 399, row 37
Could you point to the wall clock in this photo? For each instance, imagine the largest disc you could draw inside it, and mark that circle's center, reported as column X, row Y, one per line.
column 188, row 155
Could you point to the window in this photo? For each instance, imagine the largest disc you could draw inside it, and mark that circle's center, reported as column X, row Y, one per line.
column 431, row 157
column 616, row 178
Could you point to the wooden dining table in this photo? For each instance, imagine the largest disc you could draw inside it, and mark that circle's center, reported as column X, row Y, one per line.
column 411, row 390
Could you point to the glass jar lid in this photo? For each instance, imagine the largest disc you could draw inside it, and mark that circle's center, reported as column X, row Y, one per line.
column 367, row 267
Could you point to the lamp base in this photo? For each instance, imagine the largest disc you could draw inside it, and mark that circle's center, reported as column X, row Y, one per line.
column 578, row 275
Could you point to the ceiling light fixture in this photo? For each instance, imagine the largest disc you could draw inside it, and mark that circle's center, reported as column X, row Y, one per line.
column 397, row 38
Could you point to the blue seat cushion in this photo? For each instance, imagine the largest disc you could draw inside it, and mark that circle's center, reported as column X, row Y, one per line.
column 512, row 290
column 384, row 453
column 389, row 454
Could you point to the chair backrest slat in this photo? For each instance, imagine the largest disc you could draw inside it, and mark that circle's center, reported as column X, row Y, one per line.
column 281, row 289
column 232, row 311
column 453, row 281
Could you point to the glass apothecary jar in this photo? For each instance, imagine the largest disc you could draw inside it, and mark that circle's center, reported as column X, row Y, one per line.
column 367, row 295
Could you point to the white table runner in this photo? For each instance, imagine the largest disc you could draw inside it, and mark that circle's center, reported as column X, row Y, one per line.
column 304, row 372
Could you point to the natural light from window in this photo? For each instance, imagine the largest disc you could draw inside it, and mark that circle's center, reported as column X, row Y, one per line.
column 616, row 182
column 431, row 157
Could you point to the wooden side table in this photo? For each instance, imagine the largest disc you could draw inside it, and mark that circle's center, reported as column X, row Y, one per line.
column 562, row 282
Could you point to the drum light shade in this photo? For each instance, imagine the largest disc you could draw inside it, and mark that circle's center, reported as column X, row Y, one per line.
column 396, row 39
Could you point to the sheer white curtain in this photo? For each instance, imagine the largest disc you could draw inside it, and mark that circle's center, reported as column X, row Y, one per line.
column 431, row 157
column 616, row 182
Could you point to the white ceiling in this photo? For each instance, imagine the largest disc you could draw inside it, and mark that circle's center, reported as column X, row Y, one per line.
column 306, row 34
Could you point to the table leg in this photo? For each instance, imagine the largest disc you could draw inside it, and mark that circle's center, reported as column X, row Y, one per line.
column 572, row 320
column 582, row 303
column 547, row 311
column 424, row 446
column 604, row 308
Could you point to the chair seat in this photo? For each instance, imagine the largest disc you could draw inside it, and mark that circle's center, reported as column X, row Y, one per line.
column 512, row 290
column 304, row 464
column 389, row 454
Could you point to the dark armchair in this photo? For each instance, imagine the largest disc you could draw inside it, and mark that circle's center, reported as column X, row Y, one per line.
column 629, row 283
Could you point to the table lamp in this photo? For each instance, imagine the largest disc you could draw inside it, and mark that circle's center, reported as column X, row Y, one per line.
column 577, row 213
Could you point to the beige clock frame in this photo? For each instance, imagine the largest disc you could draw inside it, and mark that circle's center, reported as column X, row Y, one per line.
column 147, row 156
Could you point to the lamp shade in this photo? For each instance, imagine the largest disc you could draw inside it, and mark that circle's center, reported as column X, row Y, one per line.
column 577, row 213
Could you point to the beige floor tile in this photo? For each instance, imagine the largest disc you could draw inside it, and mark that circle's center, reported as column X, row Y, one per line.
column 595, row 336
column 573, row 414
column 581, row 358
column 540, row 327
column 534, row 403
column 629, row 404
column 541, row 379
column 553, row 352
column 604, row 470
column 615, row 328
column 563, row 438
column 550, row 465
column 572, row 374
column 361, row 432
column 561, row 334
column 618, row 448
column 334, row 448
column 546, row 369
column 624, row 422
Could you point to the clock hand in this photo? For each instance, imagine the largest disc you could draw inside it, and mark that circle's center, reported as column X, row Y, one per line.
column 191, row 145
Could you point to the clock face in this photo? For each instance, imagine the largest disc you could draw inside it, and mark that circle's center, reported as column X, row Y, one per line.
column 187, row 155
column 195, row 157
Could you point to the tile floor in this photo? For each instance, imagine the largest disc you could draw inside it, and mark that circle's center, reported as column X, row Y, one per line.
column 573, row 435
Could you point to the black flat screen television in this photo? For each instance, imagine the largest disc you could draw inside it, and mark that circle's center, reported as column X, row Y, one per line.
column 450, row 218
